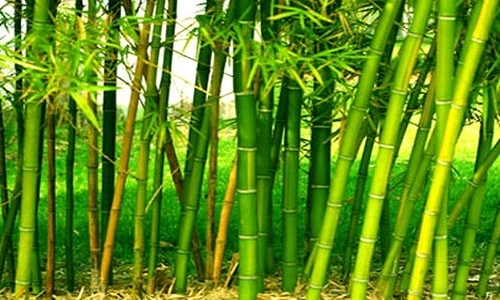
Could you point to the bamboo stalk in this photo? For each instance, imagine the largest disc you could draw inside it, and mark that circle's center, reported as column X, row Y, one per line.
column 227, row 205
column 126, row 149
column 446, row 152
column 348, row 149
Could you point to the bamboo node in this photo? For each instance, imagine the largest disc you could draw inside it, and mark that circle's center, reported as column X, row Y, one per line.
column 440, row 295
column 26, row 229
column 265, row 110
column 477, row 40
column 367, row 240
column 22, row 282
column 180, row 251
column 319, row 186
column 248, row 277
column 415, row 293
column 247, row 237
column 345, row 157
column 247, row 149
column 430, row 212
column 334, row 205
column 376, row 197
column 458, row 106
column 443, row 102
column 471, row 182
column 376, row 51
column 324, row 246
column 441, row 237
column 398, row 92
column 398, row 237
column 361, row 109
column 386, row 146
column 246, row 191
column 422, row 255
column 321, row 127
column 191, row 208
column 263, row 234
column 289, row 211
column 360, row 280
column 446, row 18
column 199, row 159
column 289, row 263
column 292, row 149
column 415, row 34
column 315, row 286
column 244, row 93
column 443, row 162
column 264, row 176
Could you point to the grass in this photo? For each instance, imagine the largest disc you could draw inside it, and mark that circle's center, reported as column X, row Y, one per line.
column 170, row 219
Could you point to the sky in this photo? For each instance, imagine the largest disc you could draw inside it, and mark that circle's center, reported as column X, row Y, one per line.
column 184, row 66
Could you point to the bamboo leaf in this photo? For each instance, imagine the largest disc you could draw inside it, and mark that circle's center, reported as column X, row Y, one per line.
column 87, row 111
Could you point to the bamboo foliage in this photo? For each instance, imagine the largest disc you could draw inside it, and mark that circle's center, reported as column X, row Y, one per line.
column 308, row 56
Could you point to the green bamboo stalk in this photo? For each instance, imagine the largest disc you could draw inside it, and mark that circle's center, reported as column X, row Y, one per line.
column 8, row 227
column 348, row 148
column 473, row 218
column 357, row 201
column 126, row 149
column 444, row 93
column 446, row 152
column 246, row 116
column 290, row 187
column 473, row 184
column 415, row 178
column 489, row 256
column 264, row 131
column 4, row 196
column 276, row 142
column 163, row 95
column 31, row 161
column 319, row 173
column 199, row 98
column 70, row 200
column 191, row 204
column 151, row 96
column 388, row 140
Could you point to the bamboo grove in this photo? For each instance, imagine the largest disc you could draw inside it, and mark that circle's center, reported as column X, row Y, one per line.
column 346, row 124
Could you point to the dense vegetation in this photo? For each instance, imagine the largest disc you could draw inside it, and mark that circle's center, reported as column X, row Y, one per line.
column 315, row 85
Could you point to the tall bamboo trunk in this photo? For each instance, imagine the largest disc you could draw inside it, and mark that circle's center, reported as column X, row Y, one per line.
column 126, row 149
column 447, row 150
column 246, row 116
column 348, row 149
column 109, row 116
